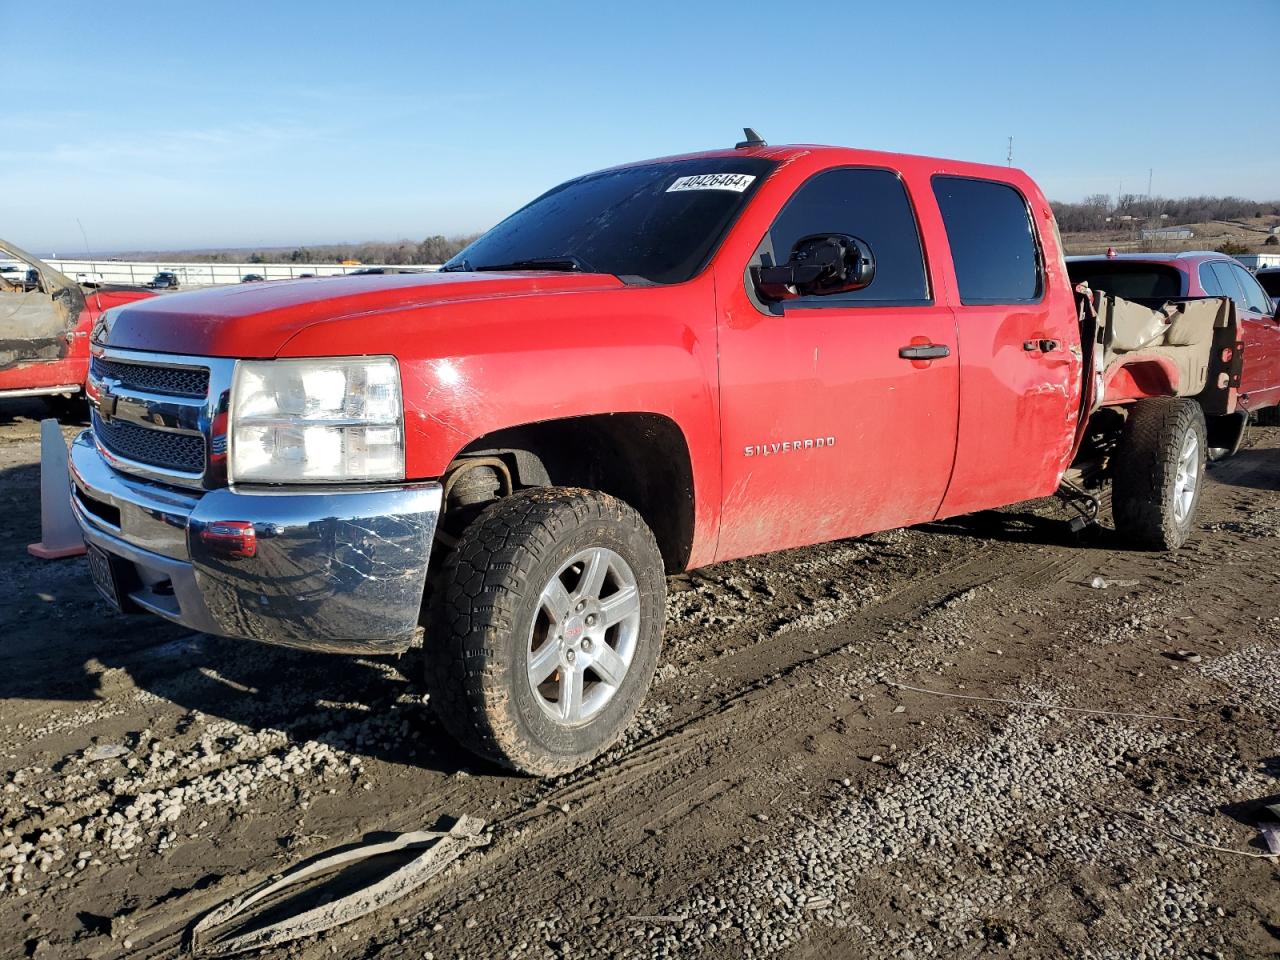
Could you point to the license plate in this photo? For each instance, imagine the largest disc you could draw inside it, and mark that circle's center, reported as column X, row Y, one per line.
column 103, row 576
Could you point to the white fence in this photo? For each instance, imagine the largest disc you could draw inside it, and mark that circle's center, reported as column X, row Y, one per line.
column 137, row 273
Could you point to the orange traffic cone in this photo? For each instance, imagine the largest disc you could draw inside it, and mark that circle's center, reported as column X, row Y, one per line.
column 59, row 532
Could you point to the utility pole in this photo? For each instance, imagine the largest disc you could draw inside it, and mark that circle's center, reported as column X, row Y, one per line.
column 1008, row 160
column 1150, row 171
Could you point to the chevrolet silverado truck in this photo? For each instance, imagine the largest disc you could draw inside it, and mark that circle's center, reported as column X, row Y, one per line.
column 645, row 370
column 45, row 321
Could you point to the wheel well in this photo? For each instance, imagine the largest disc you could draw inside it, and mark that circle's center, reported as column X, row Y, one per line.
column 640, row 458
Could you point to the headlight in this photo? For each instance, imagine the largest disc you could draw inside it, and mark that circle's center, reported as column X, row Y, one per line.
column 311, row 420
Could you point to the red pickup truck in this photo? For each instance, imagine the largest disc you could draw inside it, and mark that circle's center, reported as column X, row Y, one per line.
column 45, row 319
column 644, row 370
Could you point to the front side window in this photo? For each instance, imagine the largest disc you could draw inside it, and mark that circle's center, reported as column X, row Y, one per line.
column 993, row 245
column 660, row 222
column 869, row 204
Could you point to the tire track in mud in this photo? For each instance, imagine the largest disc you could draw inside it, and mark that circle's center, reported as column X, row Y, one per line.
column 761, row 716
column 668, row 769
column 716, row 754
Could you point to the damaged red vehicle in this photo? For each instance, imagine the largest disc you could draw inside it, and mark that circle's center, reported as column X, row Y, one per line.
column 645, row 370
column 45, row 320
column 1156, row 278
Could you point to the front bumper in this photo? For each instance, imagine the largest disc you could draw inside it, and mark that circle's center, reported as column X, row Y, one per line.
column 340, row 569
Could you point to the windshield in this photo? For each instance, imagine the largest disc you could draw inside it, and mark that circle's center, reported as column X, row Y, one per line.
column 1132, row 280
column 658, row 221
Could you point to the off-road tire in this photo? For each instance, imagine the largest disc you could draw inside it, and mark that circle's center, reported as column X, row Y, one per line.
column 1146, row 468
column 478, row 633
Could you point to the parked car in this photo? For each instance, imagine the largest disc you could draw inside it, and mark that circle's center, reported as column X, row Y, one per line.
column 45, row 320
column 1152, row 278
column 1269, row 278
column 164, row 280
column 252, row 278
column 14, row 271
column 646, row 370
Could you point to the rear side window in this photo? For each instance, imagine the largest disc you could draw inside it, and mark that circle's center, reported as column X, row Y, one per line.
column 1227, row 285
column 1209, row 281
column 992, row 243
column 1253, row 295
column 866, row 203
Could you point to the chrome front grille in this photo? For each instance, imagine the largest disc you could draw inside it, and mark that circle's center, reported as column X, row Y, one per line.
column 162, row 416
column 156, row 448
column 174, row 381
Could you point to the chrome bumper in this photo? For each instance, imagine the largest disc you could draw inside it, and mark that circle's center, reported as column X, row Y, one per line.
column 340, row 569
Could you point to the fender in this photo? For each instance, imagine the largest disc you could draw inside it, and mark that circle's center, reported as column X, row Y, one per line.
column 471, row 367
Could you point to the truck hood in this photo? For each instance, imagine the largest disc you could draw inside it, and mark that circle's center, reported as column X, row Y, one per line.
column 256, row 320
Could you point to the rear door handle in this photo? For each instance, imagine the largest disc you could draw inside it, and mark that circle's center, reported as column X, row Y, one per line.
column 924, row 351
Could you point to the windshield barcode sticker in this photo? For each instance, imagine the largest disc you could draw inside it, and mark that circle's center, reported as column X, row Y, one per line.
column 737, row 182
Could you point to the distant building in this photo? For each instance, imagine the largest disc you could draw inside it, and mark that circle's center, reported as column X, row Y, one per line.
column 1168, row 233
column 1256, row 261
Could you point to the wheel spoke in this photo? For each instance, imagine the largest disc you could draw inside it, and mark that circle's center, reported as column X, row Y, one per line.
column 571, row 695
column 608, row 666
column 619, row 606
column 593, row 574
column 543, row 662
column 555, row 601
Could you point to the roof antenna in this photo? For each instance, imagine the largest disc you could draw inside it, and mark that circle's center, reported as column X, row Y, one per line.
column 752, row 140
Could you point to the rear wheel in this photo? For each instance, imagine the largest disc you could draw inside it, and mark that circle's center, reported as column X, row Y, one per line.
column 546, row 634
column 1159, row 471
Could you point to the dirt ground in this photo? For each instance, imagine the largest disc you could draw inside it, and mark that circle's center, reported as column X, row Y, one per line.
column 789, row 789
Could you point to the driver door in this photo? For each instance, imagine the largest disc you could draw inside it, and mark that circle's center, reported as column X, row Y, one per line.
column 828, row 431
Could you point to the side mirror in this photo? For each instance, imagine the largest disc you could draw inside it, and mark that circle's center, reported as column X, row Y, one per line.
column 820, row 265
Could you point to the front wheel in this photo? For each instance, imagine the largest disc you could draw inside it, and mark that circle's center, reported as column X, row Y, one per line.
column 1159, row 471
column 546, row 634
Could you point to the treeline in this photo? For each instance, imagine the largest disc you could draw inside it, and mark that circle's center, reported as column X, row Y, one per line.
column 1092, row 212
column 435, row 249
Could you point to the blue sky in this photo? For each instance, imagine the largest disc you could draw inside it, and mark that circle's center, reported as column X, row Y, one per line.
column 225, row 124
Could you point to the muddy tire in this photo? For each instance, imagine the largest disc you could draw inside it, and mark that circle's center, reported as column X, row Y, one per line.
column 1159, row 472
column 545, row 634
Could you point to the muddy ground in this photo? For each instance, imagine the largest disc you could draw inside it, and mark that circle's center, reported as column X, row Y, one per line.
column 789, row 789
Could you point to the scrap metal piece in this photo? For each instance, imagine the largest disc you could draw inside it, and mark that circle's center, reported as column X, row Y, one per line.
column 445, row 847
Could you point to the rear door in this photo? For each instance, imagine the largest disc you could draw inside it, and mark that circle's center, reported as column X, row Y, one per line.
column 1020, row 358
column 828, row 430
column 1260, row 378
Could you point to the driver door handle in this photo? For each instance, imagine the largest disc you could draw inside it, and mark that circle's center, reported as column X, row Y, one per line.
column 924, row 351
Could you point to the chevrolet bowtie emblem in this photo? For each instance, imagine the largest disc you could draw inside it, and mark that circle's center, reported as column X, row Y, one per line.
column 107, row 402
